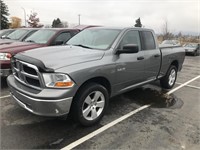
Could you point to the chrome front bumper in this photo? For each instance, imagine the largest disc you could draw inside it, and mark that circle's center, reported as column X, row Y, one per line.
column 49, row 102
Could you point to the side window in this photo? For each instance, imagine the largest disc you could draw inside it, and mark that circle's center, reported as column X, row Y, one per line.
column 131, row 37
column 64, row 37
column 74, row 32
column 148, row 40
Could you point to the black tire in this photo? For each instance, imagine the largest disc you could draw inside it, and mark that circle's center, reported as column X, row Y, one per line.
column 79, row 104
column 165, row 81
column 195, row 53
column 198, row 53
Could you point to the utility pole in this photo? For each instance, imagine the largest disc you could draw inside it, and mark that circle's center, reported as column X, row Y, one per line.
column 79, row 19
column 24, row 16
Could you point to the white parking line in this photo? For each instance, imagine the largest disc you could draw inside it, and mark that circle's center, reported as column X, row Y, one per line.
column 94, row 133
column 195, row 87
column 4, row 96
column 109, row 125
column 182, row 85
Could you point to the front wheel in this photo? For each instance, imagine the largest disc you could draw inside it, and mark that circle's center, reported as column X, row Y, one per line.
column 195, row 53
column 169, row 79
column 90, row 104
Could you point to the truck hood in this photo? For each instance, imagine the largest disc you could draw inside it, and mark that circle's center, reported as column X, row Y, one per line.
column 6, row 41
column 56, row 57
column 15, row 47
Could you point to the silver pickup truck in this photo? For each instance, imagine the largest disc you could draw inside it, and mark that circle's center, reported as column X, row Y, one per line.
column 96, row 64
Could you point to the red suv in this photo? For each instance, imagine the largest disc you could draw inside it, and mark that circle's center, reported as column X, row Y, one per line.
column 41, row 38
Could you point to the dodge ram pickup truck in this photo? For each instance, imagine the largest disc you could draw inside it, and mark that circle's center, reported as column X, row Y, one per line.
column 41, row 38
column 98, row 63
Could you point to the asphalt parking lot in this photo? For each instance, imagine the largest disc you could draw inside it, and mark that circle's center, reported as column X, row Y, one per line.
column 172, row 121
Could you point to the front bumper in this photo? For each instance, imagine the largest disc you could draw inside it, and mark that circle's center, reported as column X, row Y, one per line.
column 189, row 51
column 5, row 72
column 48, row 102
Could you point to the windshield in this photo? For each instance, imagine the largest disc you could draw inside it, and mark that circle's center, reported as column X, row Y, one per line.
column 191, row 45
column 16, row 35
column 95, row 38
column 41, row 36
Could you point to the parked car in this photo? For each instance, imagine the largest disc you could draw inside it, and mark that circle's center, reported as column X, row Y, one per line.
column 192, row 48
column 171, row 42
column 18, row 35
column 97, row 63
column 4, row 33
column 41, row 38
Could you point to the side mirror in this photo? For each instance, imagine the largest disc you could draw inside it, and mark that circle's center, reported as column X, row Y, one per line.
column 3, row 37
column 129, row 48
column 58, row 42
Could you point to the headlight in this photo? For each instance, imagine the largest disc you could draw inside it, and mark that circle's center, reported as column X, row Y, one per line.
column 5, row 56
column 56, row 80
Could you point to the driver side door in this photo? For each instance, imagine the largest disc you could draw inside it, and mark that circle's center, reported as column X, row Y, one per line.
column 130, row 66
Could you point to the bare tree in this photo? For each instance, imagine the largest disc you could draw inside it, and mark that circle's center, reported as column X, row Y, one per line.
column 166, row 33
column 65, row 24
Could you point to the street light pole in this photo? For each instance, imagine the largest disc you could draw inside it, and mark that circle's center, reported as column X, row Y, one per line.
column 79, row 19
column 24, row 16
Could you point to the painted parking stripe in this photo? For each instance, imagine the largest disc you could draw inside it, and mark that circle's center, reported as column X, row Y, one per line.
column 111, row 124
column 195, row 87
column 4, row 96
column 182, row 85
column 96, row 132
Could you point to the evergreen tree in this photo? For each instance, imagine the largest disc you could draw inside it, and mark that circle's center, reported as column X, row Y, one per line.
column 57, row 23
column 4, row 13
column 138, row 23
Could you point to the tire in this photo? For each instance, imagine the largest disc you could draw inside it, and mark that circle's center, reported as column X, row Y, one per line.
column 195, row 53
column 198, row 53
column 169, row 79
column 91, row 99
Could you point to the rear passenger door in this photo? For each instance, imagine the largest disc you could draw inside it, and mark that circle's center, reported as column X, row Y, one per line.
column 152, row 55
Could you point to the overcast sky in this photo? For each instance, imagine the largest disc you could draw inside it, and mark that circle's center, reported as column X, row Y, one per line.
column 182, row 15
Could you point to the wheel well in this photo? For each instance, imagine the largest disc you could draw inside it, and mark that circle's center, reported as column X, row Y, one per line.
column 100, row 80
column 175, row 63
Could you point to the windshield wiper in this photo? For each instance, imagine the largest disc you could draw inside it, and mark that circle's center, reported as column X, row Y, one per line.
column 31, row 41
column 84, row 46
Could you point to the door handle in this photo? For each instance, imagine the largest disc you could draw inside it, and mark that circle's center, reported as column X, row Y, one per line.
column 157, row 55
column 140, row 58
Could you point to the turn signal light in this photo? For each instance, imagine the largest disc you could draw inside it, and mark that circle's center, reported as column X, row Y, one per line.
column 64, row 84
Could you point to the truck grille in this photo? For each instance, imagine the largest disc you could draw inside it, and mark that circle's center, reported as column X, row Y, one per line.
column 27, row 74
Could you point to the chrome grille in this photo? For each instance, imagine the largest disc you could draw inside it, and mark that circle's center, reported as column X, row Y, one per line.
column 26, row 73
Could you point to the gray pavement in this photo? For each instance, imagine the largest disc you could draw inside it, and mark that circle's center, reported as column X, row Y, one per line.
column 172, row 122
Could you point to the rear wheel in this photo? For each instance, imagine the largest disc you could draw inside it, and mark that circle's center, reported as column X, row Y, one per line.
column 169, row 79
column 90, row 104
